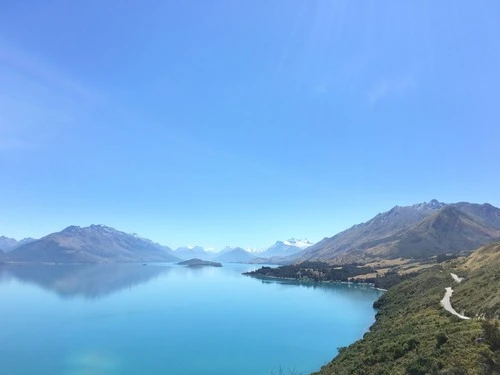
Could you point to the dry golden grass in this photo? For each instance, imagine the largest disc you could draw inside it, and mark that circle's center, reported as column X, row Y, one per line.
column 388, row 263
column 364, row 277
column 415, row 268
column 484, row 256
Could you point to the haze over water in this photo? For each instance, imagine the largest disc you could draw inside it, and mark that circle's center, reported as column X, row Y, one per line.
column 169, row 319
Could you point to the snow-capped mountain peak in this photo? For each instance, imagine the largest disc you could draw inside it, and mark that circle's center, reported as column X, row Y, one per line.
column 298, row 243
column 432, row 205
column 254, row 251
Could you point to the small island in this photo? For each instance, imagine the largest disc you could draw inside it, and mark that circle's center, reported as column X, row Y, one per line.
column 195, row 262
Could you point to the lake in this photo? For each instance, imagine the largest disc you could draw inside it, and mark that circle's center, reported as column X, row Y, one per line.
column 170, row 319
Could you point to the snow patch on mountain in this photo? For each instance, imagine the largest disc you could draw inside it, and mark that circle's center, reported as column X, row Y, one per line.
column 298, row 243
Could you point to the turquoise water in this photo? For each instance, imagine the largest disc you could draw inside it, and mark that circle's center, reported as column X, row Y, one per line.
column 169, row 319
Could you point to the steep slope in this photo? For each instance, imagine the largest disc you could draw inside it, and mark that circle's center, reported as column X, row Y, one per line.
column 94, row 244
column 413, row 334
column 485, row 214
column 479, row 293
column 234, row 255
column 448, row 230
column 380, row 229
column 416, row 231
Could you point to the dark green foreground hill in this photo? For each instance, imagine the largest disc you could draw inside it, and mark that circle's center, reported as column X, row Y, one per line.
column 414, row 335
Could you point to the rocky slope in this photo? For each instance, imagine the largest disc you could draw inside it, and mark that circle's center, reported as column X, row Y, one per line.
column 416, row 231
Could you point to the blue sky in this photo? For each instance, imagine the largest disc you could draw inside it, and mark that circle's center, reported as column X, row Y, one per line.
column 240, row 123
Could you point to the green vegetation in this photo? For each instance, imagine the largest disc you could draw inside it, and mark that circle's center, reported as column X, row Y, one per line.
column 195, row 262
column 390, row 278
column 414, row 335
column 479, row 293
column 313, row 271
column 324, row 272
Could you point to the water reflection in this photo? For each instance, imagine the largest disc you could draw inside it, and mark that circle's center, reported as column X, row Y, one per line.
column 87, row 281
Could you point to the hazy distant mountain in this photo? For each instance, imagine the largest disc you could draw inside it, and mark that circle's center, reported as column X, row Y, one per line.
column 2, row 257
column 8, row 244
column 420, row 230
column 189, row 252
column 234, row 255
column 285, row 248
column 94, row 244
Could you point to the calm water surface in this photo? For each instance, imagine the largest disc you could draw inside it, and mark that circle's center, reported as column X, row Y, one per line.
column 169, row 319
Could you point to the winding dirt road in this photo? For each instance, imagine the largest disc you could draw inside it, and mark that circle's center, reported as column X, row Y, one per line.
column 446, row 299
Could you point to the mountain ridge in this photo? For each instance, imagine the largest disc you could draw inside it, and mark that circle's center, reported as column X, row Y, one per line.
column 419, row 230
column 8, row 244
column 92, row 244
column 285, row 248
column 234, row 255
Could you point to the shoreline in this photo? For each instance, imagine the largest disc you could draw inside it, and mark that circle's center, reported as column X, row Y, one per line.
column 309, row 281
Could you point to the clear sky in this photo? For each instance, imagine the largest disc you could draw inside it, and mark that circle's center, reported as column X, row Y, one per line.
column 243, row 122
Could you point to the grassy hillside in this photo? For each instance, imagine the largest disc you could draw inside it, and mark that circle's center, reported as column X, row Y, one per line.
column 414, row 335
column 479, row 293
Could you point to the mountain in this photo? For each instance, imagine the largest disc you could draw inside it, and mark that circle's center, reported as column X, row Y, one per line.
column 2, row 257
column 93, row 244
column 486, row 214
column 449, row 230
column 285, row 248
column 303, row 244
column 8, row 244
column 189, row 252
column 234, row 255
column 416, row 231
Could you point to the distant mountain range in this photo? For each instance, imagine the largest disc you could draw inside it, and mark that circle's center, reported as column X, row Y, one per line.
column 417, row 231
column 190, row 252
column 234, row 255
column 93, row 244
column 8, row 244
column 102, row 244
column 240, row 255
column 285, row 248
